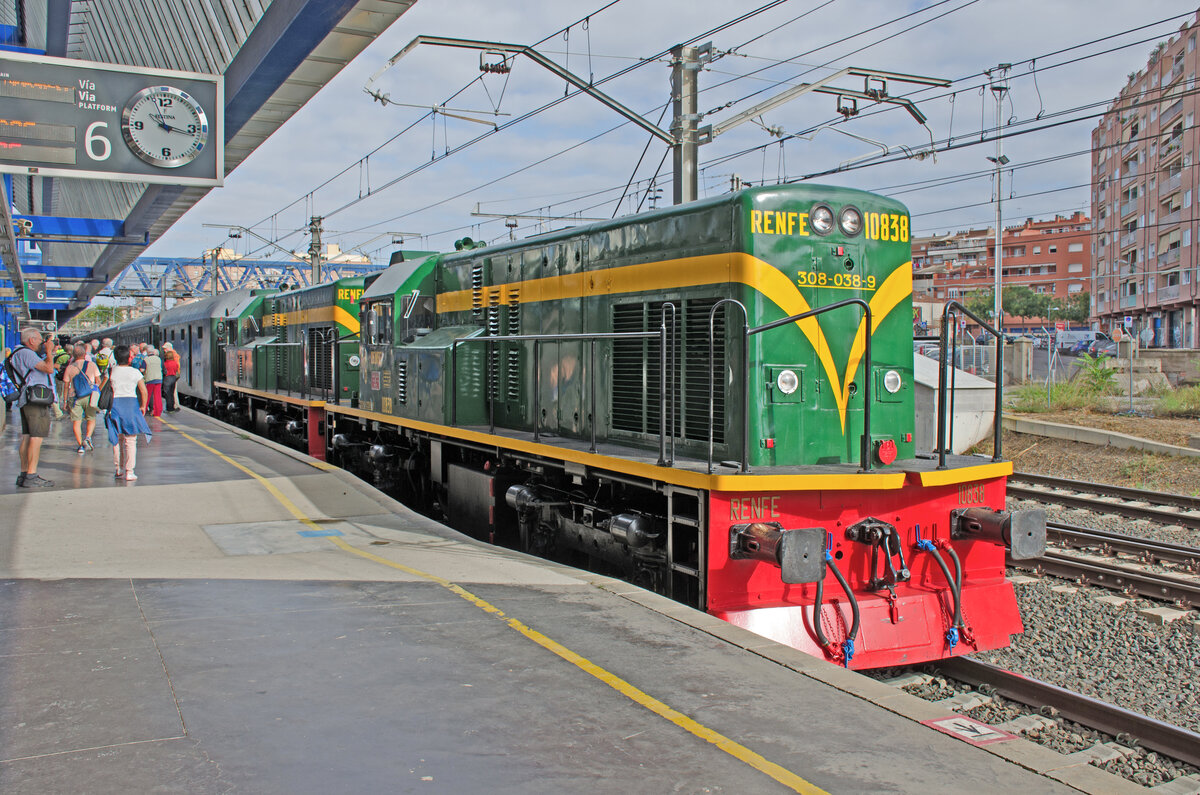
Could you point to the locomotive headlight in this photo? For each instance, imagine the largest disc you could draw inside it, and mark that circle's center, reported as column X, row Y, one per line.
column 787, row 381
column 851, row 221
column 892, row 381
column 354, row 360
column 821, row 219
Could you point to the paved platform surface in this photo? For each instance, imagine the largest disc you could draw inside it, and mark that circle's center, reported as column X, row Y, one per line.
column 244, row 619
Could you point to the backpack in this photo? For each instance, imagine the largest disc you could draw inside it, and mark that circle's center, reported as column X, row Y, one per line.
column 81, row 383
column 8, row 382
column 39, row 394
column 102, row 362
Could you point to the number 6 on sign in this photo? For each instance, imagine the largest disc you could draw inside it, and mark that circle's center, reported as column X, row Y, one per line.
column 91, row 138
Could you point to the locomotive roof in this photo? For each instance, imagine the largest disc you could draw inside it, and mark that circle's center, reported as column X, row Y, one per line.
column 831, row 193
column 229, row 304
column 390, row 280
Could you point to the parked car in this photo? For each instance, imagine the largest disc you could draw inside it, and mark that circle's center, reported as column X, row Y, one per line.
column 1102, row 347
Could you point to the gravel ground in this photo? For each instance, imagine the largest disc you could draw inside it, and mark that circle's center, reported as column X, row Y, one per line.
column 1080, row 461
column 1076, row 642
column 1107, row 651
column 1139, row 765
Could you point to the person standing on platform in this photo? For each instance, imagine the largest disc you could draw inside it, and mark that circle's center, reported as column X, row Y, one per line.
column 104, row 356
column 170, row 377
column 33, row 364
column 152, row 370
column 127, row 416
column 80, row 394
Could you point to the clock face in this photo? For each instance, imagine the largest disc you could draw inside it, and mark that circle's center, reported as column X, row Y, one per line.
column 164, row 126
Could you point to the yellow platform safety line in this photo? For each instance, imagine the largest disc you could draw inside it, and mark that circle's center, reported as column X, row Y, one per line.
column 729, row 746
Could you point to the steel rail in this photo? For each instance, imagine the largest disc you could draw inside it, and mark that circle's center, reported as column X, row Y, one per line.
column 1082, row 537
column 1172, row 741
column 1124, row 492
column 1119, row 578
column 1165, row 515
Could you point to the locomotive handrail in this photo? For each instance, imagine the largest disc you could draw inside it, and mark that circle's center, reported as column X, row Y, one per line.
column 747, row 332
column 591, row 339
column 948, row 315
column 712, row 381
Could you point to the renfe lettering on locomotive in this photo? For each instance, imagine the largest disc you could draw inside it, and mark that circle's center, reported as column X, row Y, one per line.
column 768, row 222
column 751, row 509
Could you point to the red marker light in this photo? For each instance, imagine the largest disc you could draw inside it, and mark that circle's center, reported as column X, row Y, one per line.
column 769, row 443
column 885, row 451
column 908, row 437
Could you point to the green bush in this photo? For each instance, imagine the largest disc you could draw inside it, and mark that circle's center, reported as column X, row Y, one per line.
column 1095, row 376
column 1179, row 403
column 1031, row 398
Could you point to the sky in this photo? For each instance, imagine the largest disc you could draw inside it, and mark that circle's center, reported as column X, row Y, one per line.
column 575, row 158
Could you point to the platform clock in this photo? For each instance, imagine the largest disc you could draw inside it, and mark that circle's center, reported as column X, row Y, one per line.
column 164, row 126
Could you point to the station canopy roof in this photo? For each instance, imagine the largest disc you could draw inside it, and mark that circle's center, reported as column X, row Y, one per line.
column 274, row 54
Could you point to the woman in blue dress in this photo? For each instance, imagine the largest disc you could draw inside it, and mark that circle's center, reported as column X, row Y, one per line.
column 127, row 416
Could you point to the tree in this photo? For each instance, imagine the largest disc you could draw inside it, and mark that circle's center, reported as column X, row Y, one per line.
column 981, row 302
column 1079, row 307
column 1020, row 302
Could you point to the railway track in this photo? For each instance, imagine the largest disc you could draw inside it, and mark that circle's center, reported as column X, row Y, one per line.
column 1178, row 509
column 1172, row 741
column 1118, row 575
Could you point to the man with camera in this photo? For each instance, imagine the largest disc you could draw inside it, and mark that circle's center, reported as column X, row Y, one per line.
column 32, row 365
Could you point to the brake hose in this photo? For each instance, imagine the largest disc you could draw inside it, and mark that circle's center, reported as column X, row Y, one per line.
column 953, row 584
column 848, row 643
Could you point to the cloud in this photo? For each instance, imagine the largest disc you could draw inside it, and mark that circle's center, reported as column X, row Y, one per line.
column 341, row 124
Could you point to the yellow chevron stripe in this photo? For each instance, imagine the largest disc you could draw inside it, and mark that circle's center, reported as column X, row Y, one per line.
column 302, row 317
column 704, row 270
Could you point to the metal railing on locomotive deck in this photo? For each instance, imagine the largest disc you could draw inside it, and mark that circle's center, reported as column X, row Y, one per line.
column 664, row 403
column 949, row 320
column 747, row 333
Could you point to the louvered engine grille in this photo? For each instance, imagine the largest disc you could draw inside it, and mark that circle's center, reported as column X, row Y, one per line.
column 637, row 372
column 477, row 291
column 320, row 359
column 513, row 376
column 402, row 381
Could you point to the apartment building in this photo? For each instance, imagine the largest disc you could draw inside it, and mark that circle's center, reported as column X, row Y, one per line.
column 1051, row 256
column 1144, row 183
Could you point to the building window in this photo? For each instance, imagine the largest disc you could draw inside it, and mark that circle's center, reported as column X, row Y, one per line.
column 1074, row 288
column 1037, row 249
column 1191, row 117
column 1053, row 249
column 1074, row 247
column 1153, row 117
column 1187, row 198
column 1075, row 267
column 1187, row 237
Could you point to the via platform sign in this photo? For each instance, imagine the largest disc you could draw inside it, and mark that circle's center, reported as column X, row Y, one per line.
column 60, row 117
column 1060, row 326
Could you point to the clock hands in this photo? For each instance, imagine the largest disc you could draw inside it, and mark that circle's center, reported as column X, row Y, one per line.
column 158, row 119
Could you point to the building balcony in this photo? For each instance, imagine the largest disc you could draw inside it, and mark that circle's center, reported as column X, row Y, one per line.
column 1128, row 147
column 1169, row 257
column 1169, row 219
column 1171, row 184
column 1128, row 301
column 1176, row 73
column 1129, row 239
column 1170, row 113
column 1168, row 293
column 1129, row 208
column 1170, row 149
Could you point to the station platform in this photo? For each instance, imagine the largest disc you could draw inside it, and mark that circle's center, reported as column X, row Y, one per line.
column 245, row 618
